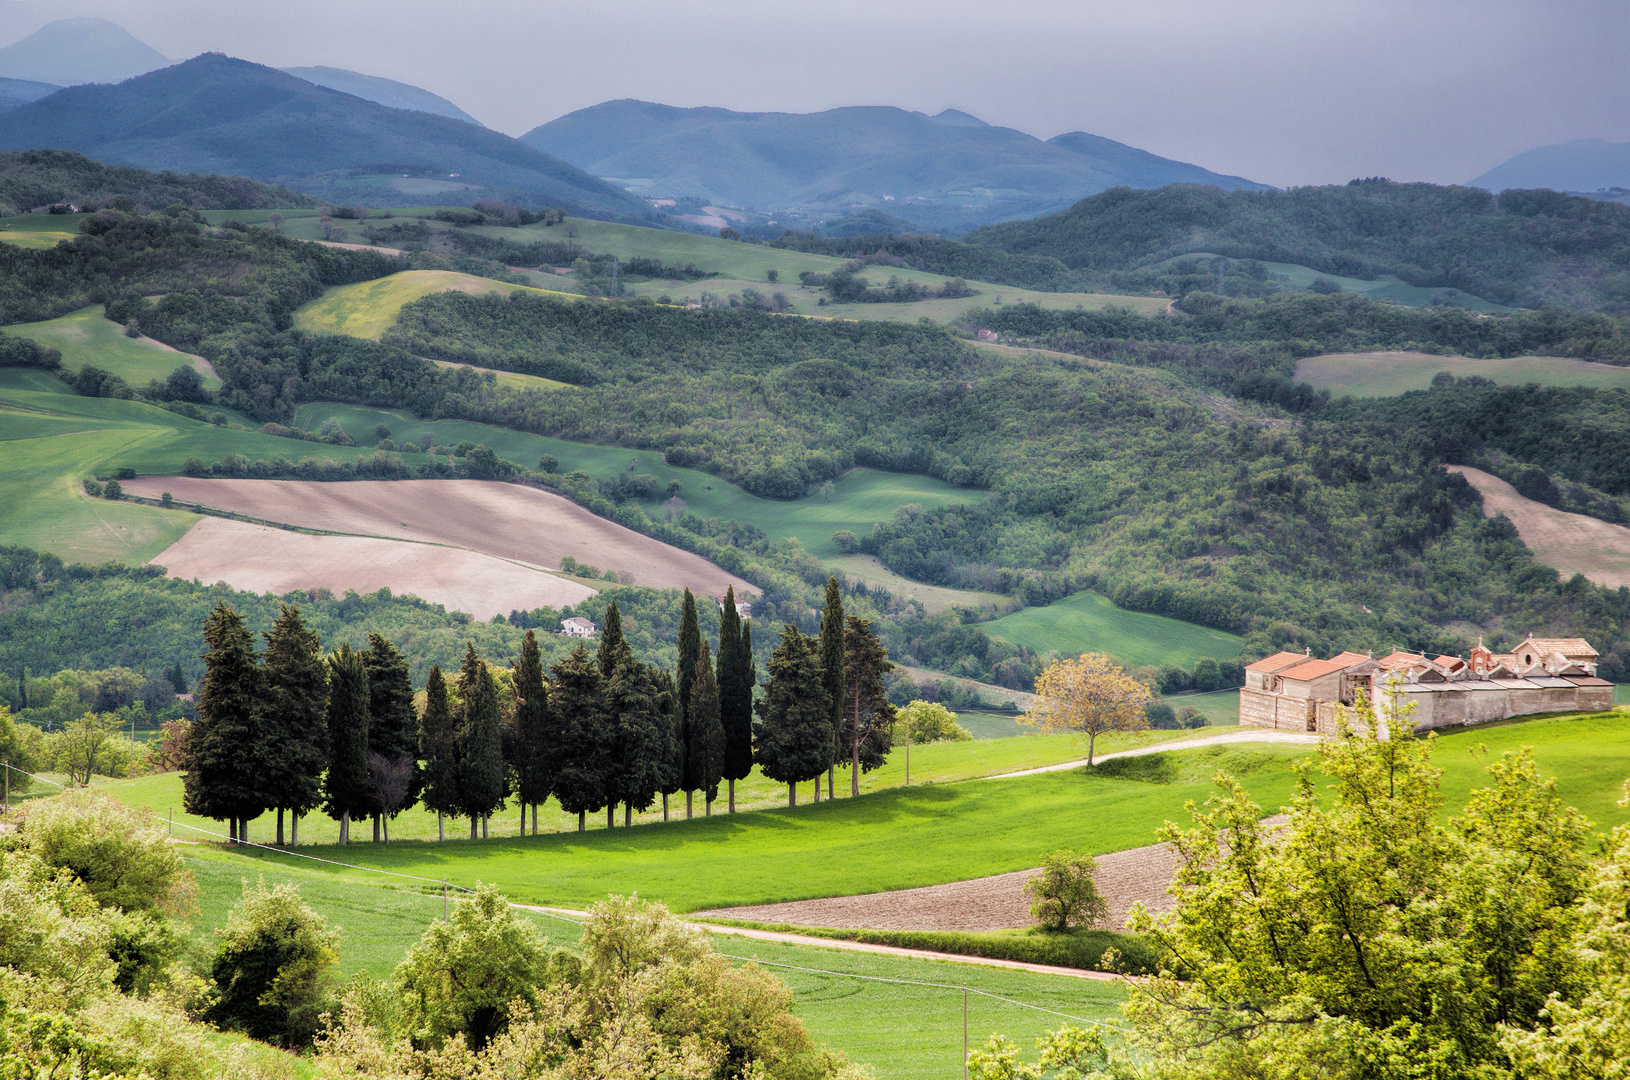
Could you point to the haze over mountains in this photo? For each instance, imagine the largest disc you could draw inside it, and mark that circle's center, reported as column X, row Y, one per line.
column 948, row 171
column 71, row 51
column 1587, row 165
column 398, row 95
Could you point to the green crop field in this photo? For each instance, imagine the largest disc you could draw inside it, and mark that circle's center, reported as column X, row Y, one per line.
column 1386, row 287
column 859, row 498
column 85, row 337
column 513, row 379
column 1387, row 374
column 380, row 921
column 368, row 308
column 55, row 439
column 39, row 230
column 1088, row 622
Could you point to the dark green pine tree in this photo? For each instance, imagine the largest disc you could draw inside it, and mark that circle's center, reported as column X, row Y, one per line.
column 792, row 739
column 868, row 718
column 481, row 752
column 614, row 649
column 644, row 735
column 672, row 775
column 393, row 730
column 176, row 676
column 735, row 695
column 704, row 735
column 438, row 747
column 296, row 702
column 832, row 663
column 690, row 647
column 613, row 656
column 537, row 735
column 577, row 694
column 227, row 752
column 347, row 782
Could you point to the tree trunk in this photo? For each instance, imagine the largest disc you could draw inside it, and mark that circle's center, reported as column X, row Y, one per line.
column 628, row 814
column 232, row 832
column 473, row 825
column 1092, row 739
column 688, row 795
column 792, row 791
column 611, row 815
column 582, row 820
column 385, row 823
column 831, row 784
column 664, row 806
column 732, row 796
column 345, row 828
column 534, row 819
column 441, row 833
column 294, row 838
column 279, row 826
column 817, row 797
column 377, row 818
column 484, row 819
column 854, row 771
column 707, row 807
column 523, row 819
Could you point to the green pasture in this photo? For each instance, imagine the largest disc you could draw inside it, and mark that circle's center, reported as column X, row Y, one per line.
column 85, row 337
column 54, row 439
column 860, row 498
column 36, row 231
column 380, row 920
column 512, row 379
column 1386, row 287
column 1388, row 374
column 1089, row 622
column 368, row 308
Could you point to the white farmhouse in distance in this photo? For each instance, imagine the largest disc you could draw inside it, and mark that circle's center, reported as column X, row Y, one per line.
column 577, row 626
column 744, row 608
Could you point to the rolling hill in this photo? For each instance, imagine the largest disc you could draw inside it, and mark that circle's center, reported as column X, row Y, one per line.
column 218, row 114
column 15, row 92
column 397, row 95
column 1580, row 165
column 1522, row 248
column 951, row 170
column 71, row 51
column 30, row 179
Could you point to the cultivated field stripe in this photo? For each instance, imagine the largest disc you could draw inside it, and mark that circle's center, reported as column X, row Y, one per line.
column 1572, row 543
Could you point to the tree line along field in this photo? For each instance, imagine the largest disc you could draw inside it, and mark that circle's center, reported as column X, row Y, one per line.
column 934, row 833
column 88, row 338
column 369, row 308
column 1086, row 621
column 1388, row 374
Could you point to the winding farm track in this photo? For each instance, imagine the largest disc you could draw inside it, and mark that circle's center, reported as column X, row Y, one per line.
column 1293, row 737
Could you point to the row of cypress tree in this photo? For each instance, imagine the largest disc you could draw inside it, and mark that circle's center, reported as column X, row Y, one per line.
column 294, row 730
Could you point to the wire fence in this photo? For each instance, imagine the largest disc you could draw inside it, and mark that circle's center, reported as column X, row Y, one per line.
column 445, row 884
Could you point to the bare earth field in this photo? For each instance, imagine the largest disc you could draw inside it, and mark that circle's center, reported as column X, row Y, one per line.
column 503, row 520
column 1124, row 878
column 1573, row 543
column 261, row 559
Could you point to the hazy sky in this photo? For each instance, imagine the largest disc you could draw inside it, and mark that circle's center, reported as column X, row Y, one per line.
column 1314, row 91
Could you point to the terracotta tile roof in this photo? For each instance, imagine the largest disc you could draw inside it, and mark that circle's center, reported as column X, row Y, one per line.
column 1567, row 646
column 1312, row 669
column 1449, row 661
column 1348, row 659
column 1398, row 660
column 1277, row 662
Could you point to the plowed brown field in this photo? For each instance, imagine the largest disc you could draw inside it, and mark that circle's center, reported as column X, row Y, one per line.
column 502, row 520
column 1573, row 543
column 258, row 558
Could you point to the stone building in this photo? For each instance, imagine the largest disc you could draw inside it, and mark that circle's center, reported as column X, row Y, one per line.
column 1296, row 692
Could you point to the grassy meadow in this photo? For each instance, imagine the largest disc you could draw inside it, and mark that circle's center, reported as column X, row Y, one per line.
column 1089, row 622
column 1388, row 374
column 368, row 308
column 85, row 337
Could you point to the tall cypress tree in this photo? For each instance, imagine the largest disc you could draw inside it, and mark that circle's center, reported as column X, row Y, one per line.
column 438, row 746
column 832, row 664
column 633, row 698
column 614, row 648
column 345, row 786
column 296, row 716
column 228, row 752
column 868, row 717
column 672, row 773
column 735, row 696
column 792, row 739
column 705, row 735
column 481, row 752
column 577, row 693
column 615, row 655
column 176, row 676
column 393, row 728
column 536, row 736
column 690, row 647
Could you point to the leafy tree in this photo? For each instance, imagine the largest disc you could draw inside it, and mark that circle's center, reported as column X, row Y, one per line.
column 226, row 751
column 834, row 665
column 793, row 737
column 439, row 747
column 271, row 964
column 1089, row 695
column 867, row 718
column 577, row 693
column 469, row 973
column 83, row 744
column 393, row 728
column 481, row 755
column 704, row 734
column 347, row 780
column 537, row 731
column 123, row 859
column 735, row 694
column 1366, row 930
column 296, row 707
column 1064, row 892
column 929, row 721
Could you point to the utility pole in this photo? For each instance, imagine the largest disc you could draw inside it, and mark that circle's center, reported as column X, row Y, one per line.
column 5, row 767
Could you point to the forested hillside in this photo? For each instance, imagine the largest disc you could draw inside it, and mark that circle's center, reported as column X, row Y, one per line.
column 36, row 178
column 1523, row 248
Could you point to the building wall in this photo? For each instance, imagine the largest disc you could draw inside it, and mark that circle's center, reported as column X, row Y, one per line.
column 1433, row 709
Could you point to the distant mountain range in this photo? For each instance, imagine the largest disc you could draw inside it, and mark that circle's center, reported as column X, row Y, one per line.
column 216, row 114
column 949, row 171
column 397, row 95
column 1584, row 165
column 71, row 51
